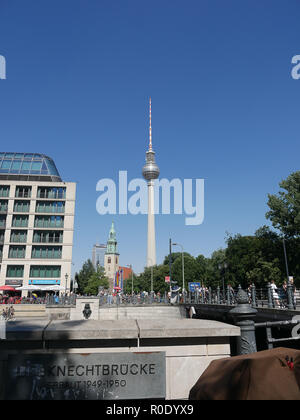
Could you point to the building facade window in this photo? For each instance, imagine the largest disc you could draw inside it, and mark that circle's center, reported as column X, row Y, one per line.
column 45, row 271
column 23, row 192
column 16, row 251
column 45, row 236
column 18, row 236
column 20, row 221
column 49, row 221
column 2, row 232
column 4, row 190
column 51, row 192
column 21, row 206
column 3, row 206
column 46, row 252
column 15, row 271
column 2, row 221
column 50, row 207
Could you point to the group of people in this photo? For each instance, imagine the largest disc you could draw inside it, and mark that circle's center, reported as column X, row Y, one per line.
column 8, row 313
column 16, row 300
column 120, row 297
column 9, row 300
column 279, row 295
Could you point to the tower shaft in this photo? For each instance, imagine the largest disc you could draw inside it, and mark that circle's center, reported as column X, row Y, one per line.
column 151, row 246
column 150, row 173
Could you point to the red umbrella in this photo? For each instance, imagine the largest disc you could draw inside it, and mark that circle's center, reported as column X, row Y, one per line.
column 8, row 288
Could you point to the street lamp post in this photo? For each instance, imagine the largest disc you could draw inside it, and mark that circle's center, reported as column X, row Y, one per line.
column 66, row 284
column 286, row 260
column 222, row 267
column 182, row 256
column 289, row 285
column 131, row 278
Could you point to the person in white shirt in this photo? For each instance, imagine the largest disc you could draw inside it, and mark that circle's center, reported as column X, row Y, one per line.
column 275, row 293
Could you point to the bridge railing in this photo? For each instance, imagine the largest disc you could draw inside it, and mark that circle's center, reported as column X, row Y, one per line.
column 136, row 299
column 63, row 300
column 258, row 297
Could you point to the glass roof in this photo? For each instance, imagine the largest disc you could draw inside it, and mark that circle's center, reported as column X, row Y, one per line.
column 27, row 164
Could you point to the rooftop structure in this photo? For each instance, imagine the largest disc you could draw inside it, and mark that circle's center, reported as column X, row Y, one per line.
column 28, row 166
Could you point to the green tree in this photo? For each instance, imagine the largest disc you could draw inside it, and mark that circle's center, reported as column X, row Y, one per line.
column 214, row 275
column 284, row 207
column 264, row 272
column 191, row 270
column 84, row 275
column 202, row 269
column 258, row 258
column 174, row 257
column 96, row 280
column 128, row 284
column 159, row 274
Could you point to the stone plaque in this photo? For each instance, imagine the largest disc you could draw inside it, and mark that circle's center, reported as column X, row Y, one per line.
column 98, row 376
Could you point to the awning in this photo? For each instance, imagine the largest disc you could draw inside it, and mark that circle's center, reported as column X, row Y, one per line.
column 8, row 288
column 29, row 287
column 55, row 288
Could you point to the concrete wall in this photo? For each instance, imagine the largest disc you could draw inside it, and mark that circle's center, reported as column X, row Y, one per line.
column 189, row 344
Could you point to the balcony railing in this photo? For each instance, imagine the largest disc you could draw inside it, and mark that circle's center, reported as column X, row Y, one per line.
column 52, row 196
column 23, row 194
column 47, row 240
column 50, row 209
column 48, row 225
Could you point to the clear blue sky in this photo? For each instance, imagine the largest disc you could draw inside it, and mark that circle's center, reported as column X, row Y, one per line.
column 224, row 105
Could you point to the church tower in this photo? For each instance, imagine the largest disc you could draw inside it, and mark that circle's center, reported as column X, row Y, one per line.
column 111, row 258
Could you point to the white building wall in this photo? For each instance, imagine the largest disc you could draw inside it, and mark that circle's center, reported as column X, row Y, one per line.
column 65, row 262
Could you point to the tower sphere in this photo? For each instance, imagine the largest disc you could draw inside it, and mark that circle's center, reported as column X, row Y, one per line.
column 150, row 169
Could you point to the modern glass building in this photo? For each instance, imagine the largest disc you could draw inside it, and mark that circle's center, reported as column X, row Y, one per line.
column 27, row 166
column 99, row 251
column 36, row 222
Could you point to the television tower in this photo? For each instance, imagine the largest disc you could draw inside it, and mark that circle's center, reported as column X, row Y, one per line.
column 150, row 173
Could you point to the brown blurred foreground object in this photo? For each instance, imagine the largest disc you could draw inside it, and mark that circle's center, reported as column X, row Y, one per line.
column 266, row 375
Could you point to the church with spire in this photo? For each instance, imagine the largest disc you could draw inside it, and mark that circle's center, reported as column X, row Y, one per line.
column 111, row 258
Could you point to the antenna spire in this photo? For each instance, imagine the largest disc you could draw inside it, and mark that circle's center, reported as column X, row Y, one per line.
column 150, row 126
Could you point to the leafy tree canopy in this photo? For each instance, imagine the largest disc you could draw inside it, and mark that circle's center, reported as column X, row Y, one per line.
column 284, row 207
column 96, row 281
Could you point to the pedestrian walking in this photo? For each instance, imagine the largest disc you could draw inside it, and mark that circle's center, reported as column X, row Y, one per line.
column 275, row 295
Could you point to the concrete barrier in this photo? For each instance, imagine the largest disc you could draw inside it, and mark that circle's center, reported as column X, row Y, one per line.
column 189, row 344
column 27, row 311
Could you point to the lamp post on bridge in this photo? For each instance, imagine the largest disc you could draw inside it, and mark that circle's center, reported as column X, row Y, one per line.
column 290, row 297
column 244, row 315
column 222, row 268
column 182, row 256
